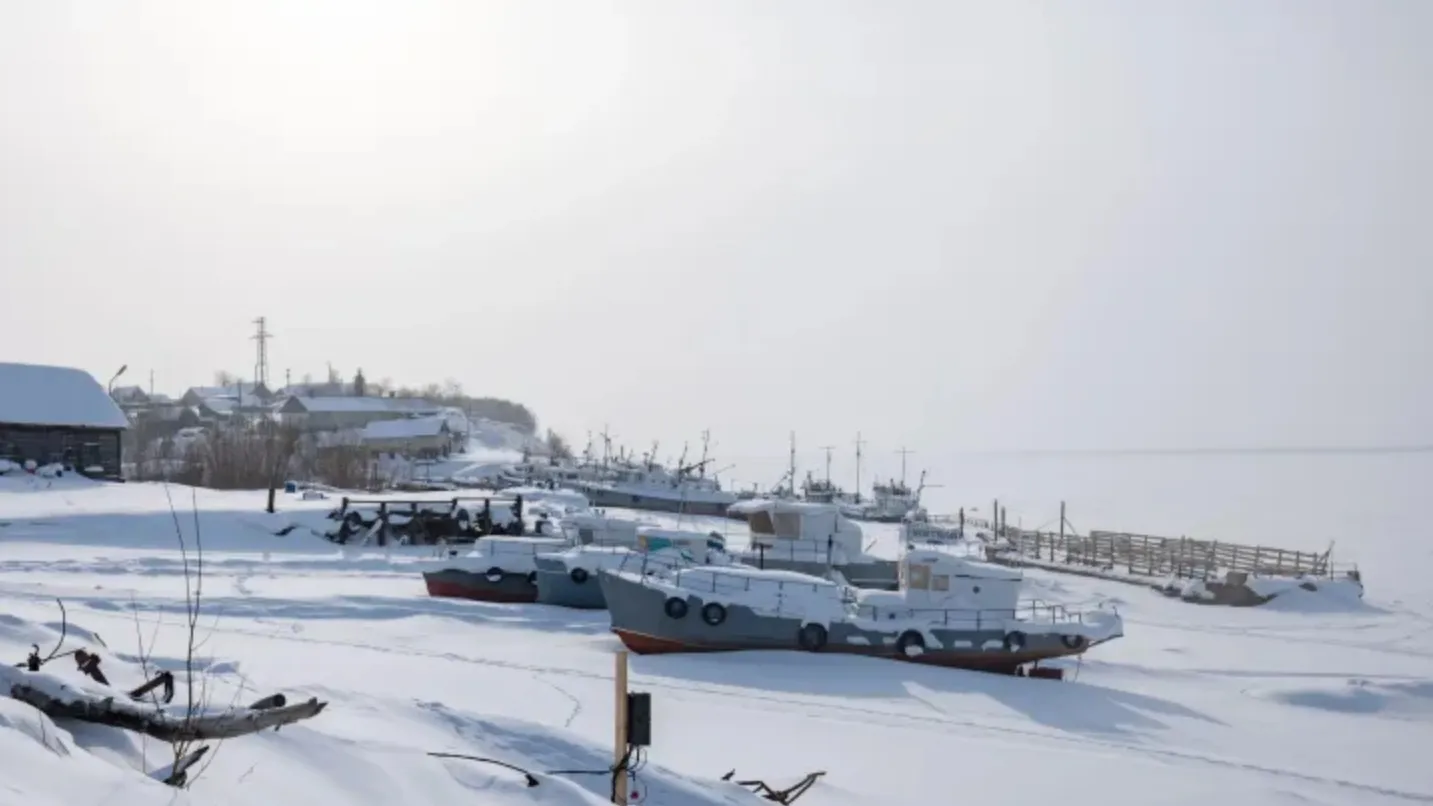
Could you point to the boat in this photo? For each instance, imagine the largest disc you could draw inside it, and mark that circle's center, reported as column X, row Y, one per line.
column 654, row 488
column 815, row 539
column 568, row 578
column 950, row 611
column 921, row 528
column 498, row 569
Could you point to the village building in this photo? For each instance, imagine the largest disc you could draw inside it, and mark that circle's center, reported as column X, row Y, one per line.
column 59, row 415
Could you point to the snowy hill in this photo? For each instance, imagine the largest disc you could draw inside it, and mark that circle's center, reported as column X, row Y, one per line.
column 1195, row 705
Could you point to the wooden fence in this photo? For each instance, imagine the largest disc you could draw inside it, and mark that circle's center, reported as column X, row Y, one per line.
column 1160, row 557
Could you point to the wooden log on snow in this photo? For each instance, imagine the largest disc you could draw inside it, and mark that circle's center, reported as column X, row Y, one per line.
column 59, row 700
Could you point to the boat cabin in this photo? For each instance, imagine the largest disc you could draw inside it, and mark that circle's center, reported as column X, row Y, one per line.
column 939, row 579
column 650, row 538
column 588, row 529
column 775, row 522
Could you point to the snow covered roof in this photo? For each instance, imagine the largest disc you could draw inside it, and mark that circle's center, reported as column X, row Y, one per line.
column 295, row 405
column 410, row 428
column 774, row 505
column 32, row 394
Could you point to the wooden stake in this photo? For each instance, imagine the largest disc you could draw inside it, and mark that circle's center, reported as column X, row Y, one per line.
column 619, row 739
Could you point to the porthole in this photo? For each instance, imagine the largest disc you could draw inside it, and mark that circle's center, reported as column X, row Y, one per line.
column 977, row 589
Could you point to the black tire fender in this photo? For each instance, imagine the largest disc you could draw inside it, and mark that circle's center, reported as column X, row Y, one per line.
column 910, row 639
column 1015, row 641
column 354, row 520
column 676, row 608
column 1074, row 641
column 579, row 575
column 494, row 574
column 713, row 613
column 812, row 637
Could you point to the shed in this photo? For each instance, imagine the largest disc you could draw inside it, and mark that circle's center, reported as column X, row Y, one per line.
column 59, row 414
column 418, row 436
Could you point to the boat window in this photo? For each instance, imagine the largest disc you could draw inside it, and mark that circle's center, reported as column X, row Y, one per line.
column 920, row 577
column 760, row 522
column 940, row 582
column 584, row 536
column 788, row 525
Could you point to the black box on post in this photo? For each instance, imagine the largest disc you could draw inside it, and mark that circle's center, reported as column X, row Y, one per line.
column 639, row 719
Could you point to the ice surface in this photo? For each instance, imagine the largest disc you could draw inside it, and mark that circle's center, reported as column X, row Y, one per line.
column 1196, row 705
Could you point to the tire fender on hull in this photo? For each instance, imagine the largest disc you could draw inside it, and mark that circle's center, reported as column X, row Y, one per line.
column 579, row 575
column 1074, row 641
column 1015, row 641
column 675, row 608
column 910, row 644
column 713, row 613
column 812, row 637
column 494, row 574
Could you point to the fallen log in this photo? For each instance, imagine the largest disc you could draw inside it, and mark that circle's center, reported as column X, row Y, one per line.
column 60, row 700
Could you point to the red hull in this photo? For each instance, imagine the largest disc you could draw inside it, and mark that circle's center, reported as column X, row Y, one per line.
column 451, row 590
column 643, row 644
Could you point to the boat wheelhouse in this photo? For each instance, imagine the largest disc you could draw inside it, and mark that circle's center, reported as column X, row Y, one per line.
column 815, row 539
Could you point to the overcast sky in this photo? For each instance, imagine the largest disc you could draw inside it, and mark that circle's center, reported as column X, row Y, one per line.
column 946, row 225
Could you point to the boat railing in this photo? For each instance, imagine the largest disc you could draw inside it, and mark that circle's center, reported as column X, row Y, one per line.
column 1033, row 611
column 713, row 579
column 806, row 551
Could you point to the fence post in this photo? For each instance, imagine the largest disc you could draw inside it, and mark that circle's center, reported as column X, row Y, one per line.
column 1062, row 535
column 619, row 733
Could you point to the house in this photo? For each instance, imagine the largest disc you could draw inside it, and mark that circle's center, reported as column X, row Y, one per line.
column 245, row 396
column 421, row 437
column 337, row 413
column 59, row 415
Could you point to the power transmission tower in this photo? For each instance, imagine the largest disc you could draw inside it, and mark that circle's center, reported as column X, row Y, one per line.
column 261, row 358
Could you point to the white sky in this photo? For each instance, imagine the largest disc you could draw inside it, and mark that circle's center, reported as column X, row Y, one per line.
column 946, row 225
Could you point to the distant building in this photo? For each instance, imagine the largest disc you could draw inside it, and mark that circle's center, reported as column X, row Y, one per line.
column 59, row 415
column 339, row 413
column 417, row 437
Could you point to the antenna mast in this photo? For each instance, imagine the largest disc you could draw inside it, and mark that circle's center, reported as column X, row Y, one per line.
column 828, row 449
column 904, row 453
column 261, row 358
column 859, row 443
column 792, row 477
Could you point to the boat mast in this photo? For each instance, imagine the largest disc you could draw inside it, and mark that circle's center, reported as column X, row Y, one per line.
column 904, row 453
column 859, row 443
column 828, row 449
column 792, row 471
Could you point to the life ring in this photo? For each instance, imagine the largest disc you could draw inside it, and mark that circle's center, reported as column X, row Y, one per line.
column 812, row 637
column 579, row 575
column 494, row 574
column 1015, row 641
column 1073, row 641
column 911, row 644
column 713, row 613
column 676, row 608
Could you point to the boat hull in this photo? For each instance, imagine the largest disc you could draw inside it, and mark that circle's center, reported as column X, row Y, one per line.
column 641, row 621
column 615, row 499
column 508, row 587
column 556, row 585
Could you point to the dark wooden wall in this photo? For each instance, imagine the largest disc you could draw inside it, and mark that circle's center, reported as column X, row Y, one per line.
column 79, row 447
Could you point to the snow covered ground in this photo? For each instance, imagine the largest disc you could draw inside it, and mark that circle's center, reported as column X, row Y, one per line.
column 1304, row 701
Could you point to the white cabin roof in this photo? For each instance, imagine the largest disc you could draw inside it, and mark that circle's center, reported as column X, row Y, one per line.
column 953, row 565
column 34, row 394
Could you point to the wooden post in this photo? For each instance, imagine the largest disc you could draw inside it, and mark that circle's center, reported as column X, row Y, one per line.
column 619, row 738
column 1062, row 535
